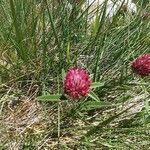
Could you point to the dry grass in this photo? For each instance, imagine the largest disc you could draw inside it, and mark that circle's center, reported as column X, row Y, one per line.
column 28, row 124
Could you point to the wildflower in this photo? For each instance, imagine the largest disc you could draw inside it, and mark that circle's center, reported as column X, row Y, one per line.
column 77, row 83
column 141, row 65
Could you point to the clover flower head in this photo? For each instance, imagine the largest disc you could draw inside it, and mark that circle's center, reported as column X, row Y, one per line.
column 77, row 83
column 141, row 65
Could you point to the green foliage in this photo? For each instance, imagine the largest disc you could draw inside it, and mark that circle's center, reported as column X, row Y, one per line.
column 49, row 98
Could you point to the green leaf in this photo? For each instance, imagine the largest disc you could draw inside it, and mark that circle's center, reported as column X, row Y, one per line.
column 96, row 85
column 63, row 73
column 94, row 96
column 147, row 106
column 147, row 120
column 89, row 105
column 49, row 98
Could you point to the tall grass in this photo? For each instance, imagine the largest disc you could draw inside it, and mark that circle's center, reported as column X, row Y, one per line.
column 39, row 39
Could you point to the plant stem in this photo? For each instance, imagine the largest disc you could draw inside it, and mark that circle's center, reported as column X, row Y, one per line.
column 58, row 134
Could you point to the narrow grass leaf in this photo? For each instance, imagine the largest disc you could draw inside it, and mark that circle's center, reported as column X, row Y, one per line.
column 96, row 85
column 49, row 98
column 90, row 105
column 63, row 73
column 94, row 96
